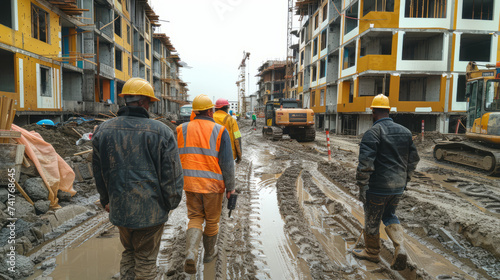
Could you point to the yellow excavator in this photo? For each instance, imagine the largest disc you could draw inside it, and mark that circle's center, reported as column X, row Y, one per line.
column 482, row 147
column 285, row 116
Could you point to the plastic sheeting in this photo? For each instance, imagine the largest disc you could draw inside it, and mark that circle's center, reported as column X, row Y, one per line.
column 55, row 172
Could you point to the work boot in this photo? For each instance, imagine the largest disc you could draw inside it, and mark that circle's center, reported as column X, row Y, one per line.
column 193, row 238
column 372, row 249
column 210, row 248
column 395, row 233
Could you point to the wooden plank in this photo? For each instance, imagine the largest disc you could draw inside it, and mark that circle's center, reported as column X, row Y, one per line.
column 10, row 134
column 77, row 132
column 26, row 163
column 20, row 189
column 82, row 153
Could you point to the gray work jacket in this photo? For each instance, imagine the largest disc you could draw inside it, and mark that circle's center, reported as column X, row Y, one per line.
column 137, row 169
column 387, row 158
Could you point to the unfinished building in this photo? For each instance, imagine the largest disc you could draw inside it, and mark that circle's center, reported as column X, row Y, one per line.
column 413, row 51
column 271, row 82
column 75, row 55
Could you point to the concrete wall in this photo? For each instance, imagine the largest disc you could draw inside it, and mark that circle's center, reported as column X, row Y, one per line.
column 365, row 122
column 89, row 107
column 72, row 86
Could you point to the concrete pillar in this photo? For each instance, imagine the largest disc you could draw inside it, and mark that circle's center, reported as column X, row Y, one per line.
column 442, row 123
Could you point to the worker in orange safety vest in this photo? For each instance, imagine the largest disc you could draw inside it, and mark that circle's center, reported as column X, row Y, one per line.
column 208, row 168
column 223, row 118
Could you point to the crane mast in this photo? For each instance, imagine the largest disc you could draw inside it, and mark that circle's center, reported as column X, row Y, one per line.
column 241, row 84
column 289, row 51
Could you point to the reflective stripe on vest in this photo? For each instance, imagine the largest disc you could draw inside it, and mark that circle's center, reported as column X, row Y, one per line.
column 199, row 145
column 202, row 174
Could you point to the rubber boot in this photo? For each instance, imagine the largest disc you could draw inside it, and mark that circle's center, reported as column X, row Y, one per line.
column 193, row 238
column 372, row 249
column 210, row 248
column 395, row 233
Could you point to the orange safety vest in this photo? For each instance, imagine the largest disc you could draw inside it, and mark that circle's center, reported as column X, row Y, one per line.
column 199, row 144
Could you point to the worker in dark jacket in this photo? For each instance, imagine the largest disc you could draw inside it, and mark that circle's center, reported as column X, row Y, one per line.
column 139, row 177
column 387, row 159
column 208, row 165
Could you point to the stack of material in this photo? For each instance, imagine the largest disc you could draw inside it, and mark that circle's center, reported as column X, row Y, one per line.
column 7, row 114
column 69, row 7
column 11, row 155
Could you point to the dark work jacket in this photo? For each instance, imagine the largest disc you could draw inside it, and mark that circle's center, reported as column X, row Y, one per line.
column 387, row 158
column 137, row 168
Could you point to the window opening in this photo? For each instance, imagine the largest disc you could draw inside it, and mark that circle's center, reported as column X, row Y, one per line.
column 118, row 26
column 39, row 23
column 351, row 21
column 45, row 82
column 377, row 6
column 477, row 9
column 6, row 15
column 323, row 39
column 426, row 8
column 118, row 59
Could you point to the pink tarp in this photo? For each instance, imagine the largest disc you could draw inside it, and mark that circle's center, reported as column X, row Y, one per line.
column 55, row 172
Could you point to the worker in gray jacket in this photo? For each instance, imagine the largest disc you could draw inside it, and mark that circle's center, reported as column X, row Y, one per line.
column 387, row 159
column 139, row 177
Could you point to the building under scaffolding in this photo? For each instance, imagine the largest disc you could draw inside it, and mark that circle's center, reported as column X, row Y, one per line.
column 271, row 82
column 64, row 57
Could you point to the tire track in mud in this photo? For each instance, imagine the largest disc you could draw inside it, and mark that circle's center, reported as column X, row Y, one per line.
column 310, row 250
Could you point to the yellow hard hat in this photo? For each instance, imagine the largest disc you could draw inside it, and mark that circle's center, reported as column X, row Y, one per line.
column 380, row 101
column 202, row 102
column 138, row 86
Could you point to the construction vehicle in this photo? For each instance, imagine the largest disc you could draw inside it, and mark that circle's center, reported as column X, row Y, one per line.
column 285, row 116
column 184, row 114
column 482, row 147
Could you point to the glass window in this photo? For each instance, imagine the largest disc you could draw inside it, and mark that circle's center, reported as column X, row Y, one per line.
column 492, row 98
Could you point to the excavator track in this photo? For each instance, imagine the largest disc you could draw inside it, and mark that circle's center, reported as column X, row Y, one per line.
column 303, row 134
column 272, row 132
column 471, row 154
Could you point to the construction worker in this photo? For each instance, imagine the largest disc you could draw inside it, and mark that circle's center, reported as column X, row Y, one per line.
column 208, row 165
column 138, row 175
column 387, row 159
column 254, row 119
column 223, row 118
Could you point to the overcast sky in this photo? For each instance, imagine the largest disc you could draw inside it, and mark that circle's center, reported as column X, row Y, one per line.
column 211, row 35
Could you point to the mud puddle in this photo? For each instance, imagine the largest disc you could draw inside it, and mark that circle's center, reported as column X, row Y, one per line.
column 274, row 250
column 95, row 258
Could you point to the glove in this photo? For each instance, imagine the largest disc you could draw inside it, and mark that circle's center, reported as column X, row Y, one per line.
column 362, row 191
column 362, row 195
column 238, row 159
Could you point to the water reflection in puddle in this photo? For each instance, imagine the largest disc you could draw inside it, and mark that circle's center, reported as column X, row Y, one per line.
column 96, row 258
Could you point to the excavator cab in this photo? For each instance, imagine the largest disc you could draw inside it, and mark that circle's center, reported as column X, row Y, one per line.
column 483, row 112
column 482, row 147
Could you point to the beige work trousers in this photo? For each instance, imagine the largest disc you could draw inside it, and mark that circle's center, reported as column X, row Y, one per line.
column 204, row 207
column 141, row 250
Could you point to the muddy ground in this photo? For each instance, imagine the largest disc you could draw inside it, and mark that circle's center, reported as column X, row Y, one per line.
column 298, row 217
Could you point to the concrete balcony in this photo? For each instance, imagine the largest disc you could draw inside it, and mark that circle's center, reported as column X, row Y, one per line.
column 107, row 71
